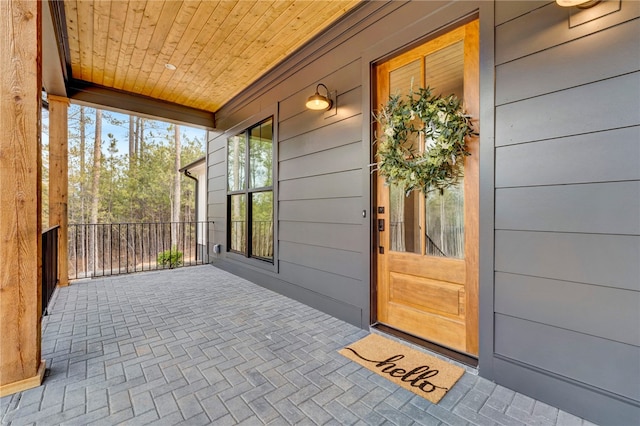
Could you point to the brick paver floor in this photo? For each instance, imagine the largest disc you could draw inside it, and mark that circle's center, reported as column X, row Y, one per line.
column 201, row 346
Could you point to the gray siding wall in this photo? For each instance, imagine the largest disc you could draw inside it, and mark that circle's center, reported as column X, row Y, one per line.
column 559, row 189
column 567, row 208
column 323, row 174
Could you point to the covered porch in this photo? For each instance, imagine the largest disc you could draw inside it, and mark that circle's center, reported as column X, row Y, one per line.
column 176, row 61
column 201, row 346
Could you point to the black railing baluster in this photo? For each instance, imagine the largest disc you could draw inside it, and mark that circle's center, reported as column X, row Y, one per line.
column 183, row 240
column 88, row 250
column 142, row 244
column 133, row 248
column 76, row 252
column 119, row 248
column 103, row 250
column 126, row 241
column 111, row 248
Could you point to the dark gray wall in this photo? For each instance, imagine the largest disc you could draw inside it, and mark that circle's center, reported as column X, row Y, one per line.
column 567, row 208
column 559, row 189
column 324, row 182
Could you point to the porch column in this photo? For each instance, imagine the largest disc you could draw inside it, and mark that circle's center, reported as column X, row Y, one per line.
column 20, row 224
column 58, row 180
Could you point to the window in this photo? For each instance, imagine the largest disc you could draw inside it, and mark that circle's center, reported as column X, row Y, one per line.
column 250, row 191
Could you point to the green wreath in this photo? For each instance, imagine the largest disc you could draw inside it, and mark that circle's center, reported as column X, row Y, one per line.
column 444, row 127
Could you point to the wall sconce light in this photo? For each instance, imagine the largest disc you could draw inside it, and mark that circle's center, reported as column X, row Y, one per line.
column 319, row 102
column 582, row 4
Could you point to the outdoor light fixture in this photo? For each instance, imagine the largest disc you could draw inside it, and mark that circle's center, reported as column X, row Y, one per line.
column 319, row 102
column 582, row 4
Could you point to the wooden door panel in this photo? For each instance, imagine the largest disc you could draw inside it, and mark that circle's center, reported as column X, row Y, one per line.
column 439, row 329
column 432, row 297
column 437, row 268
column 427, row 295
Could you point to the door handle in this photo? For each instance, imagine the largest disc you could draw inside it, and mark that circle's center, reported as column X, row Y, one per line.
column 380, row 229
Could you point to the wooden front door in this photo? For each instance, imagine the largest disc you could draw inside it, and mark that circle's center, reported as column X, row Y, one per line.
column 427, row 254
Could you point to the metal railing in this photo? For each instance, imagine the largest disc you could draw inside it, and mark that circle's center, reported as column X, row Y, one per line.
column 49, row 265
column 104, row 249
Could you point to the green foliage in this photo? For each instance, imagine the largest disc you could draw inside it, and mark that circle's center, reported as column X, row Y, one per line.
column 423, row 141
column 132, row 188
column 170, row 258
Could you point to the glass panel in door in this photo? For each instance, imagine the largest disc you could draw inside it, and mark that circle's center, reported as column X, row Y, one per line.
column 404, row 210
column 444, row 210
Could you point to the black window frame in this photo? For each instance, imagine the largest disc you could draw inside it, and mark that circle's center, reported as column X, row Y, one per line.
column 248, row 193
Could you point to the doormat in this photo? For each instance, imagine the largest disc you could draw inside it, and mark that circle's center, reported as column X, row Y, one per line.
column 413, row 370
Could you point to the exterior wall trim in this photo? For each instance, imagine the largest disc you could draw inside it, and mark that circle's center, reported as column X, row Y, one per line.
column 487, row 190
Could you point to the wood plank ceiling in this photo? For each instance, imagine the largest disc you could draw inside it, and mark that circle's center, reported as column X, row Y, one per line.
column 217, row 47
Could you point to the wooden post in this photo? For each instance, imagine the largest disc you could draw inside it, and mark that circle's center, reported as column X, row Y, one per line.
column 20, row 175
column 59, row 179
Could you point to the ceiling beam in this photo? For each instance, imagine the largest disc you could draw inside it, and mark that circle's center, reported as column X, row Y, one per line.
column 81, row 92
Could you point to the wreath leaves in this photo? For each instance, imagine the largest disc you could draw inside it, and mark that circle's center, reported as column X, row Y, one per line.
column 436, row 122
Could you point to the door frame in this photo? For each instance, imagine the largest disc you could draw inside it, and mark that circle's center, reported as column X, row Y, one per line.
column 444, row 329
column 417, row 32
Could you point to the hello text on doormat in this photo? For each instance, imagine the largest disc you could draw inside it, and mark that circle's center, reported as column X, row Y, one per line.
column 413, row 370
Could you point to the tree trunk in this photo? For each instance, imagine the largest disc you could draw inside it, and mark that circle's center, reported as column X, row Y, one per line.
column 132, row 135
column 175, row 211
column 140, row 144
column 136, row 139
column 97, row 154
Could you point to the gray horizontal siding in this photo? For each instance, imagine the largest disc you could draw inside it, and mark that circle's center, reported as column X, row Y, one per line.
column 340, row 262
column 507, row 10
column 567, row 207
column 216, row 191
column 217, row 183
column 216, row 158
column 600, row 407
column 217, row 210
column 342, row 132
column 603, row 105
column 337, row 308
column 582, row 357
column 334, row 286
column 574, row 159
column 546, row 27
column 571, row 64
column 336, row 185
column 345, row 157
column 326, row 210
column 605, row 208
column 216, row 170
column 320, row 245
column 611, row 314
column 604, row 260
column 327, row 235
